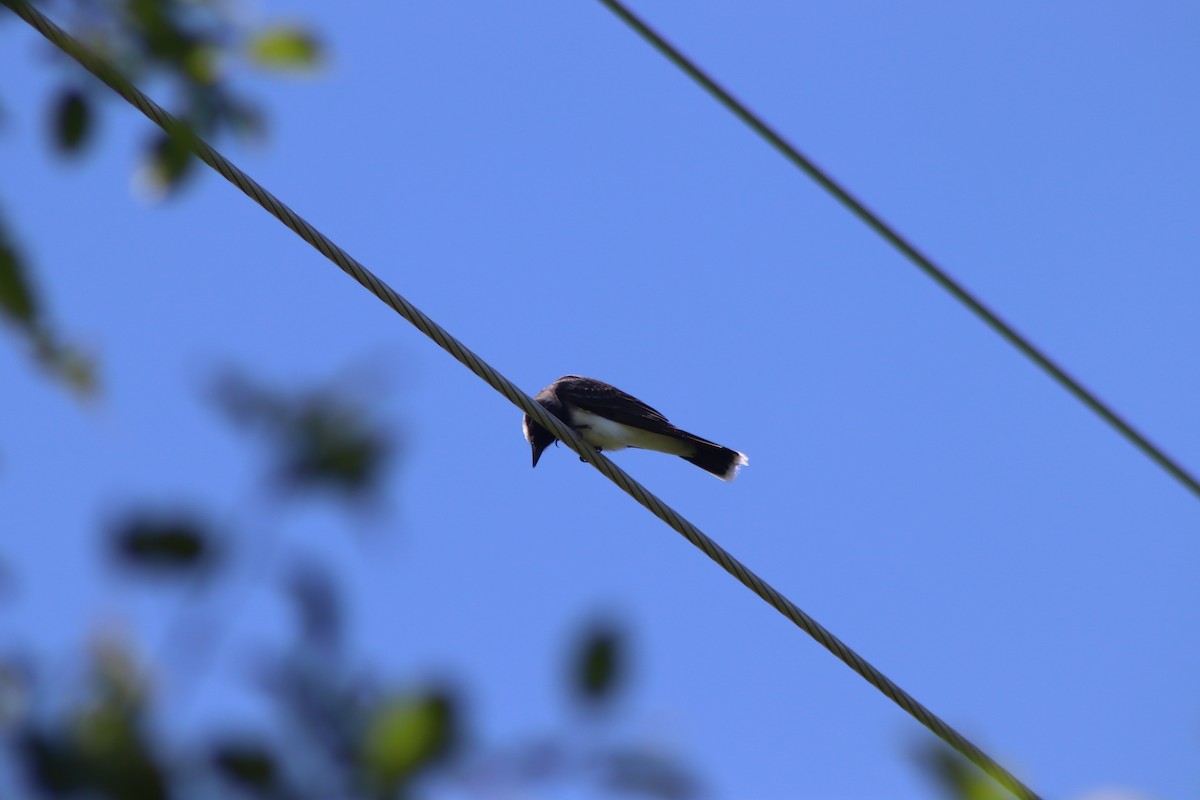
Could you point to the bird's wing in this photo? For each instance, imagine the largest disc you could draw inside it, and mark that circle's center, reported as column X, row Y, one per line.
column 611, row 403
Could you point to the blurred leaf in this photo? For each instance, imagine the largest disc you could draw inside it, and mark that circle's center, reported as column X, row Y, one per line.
column 640, row 772
column 17, row 299
column 119, row 684
column 50, row 762
column 598, row 664
column 101, row 751
column 330, row 444
column 202, row 64
column 77, row 369
column 168, row 162
column 74, row 367
column 118, row 757
column 958, row 778
column 163, row 29
column 107, row 734
column 405, row 735
column 105, row 730
column 247, row 764
column 19, row 304
column 72, row 120
column 285, row 47
column 164, row 544
column 322, row 438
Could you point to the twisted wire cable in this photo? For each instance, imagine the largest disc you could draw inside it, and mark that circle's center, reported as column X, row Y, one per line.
column 909, row 250
column 515, row 395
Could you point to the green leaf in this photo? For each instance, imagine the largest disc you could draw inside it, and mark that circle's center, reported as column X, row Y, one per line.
column 247, row 764
column 19, row 304
column 170, row 161
column 331, row 444
column 120, row 761
column 404, row 735
column 285, row 47
column 51, row 762
column 323, row 437
column 201, row 64
column 598, row 664
column 72, row 366
column 959, row 778
column 166, row 544
column 72, row 120
column 17, row 300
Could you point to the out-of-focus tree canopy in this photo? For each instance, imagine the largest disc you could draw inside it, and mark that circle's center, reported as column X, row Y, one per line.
column 195, row 49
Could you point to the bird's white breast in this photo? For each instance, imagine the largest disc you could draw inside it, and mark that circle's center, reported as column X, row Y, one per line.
column 608, row 435
column 601, row 432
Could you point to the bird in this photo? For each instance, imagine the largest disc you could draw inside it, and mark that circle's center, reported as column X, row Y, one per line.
column 609, row 419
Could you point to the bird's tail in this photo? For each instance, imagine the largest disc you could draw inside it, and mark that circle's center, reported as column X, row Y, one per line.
column 720, row 461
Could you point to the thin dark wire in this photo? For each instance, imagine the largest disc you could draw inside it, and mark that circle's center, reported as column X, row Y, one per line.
column 907, row 248
column 517, row 397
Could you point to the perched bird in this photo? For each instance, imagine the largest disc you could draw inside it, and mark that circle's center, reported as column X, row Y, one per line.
column 609, row 419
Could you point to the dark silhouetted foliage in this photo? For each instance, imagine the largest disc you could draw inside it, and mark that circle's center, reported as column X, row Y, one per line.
column 153, row 542
column 188, row 46
column 335, row 730
column 599, row 664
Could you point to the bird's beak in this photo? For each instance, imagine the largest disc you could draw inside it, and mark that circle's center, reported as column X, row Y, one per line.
column 537, row 453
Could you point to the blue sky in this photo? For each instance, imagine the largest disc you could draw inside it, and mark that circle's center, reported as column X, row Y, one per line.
column 539, row 181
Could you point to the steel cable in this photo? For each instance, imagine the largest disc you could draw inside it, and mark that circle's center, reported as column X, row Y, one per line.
column 515, row 395
column 907, row 248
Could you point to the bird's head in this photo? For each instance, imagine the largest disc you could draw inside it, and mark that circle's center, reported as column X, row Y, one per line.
column 538, row 437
